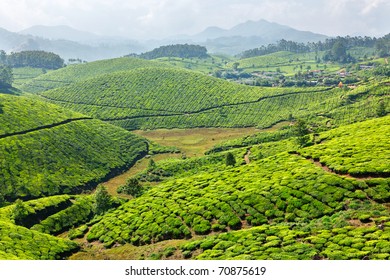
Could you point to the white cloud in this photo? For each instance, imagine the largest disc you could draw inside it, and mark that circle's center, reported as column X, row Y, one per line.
column 151, row 18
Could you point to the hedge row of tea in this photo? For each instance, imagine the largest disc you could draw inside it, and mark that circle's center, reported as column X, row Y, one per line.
column 155, row 97
column 79, row 212
column 262, row 114
column 276, row 189
column 284, row 243
column 161, row 90
column 18, row 114
column 37, row 209
column 76, row 73
column 65, row 159
column 18, row 242
column 361, row 149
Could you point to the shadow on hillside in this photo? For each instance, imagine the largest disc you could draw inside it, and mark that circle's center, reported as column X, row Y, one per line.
column 10, row 90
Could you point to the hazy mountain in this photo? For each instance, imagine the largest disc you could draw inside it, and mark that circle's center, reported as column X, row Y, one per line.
column 251, row 34
column 58, row 40
column 71, row 43
column 63, row 32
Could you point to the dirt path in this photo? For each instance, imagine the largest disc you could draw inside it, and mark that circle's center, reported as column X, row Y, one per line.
column 44, row 127
column 347, row 175
column 246, row 157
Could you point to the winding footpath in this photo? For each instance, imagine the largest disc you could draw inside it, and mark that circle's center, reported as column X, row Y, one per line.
column 43, row 127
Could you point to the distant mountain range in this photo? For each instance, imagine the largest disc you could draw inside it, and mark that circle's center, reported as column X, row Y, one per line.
column 71, row 43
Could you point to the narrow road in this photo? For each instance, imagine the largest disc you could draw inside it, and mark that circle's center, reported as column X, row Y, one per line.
column 43, row 127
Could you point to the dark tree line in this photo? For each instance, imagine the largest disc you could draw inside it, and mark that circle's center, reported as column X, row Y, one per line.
column 381, row 45
column 35, row 59
column 179, row 50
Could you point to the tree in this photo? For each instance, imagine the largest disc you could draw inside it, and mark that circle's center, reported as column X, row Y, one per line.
column 19, row 212
column 151, row 165
column 3, row 57
column 301, row 131
column 235, row 66
column 2, row 199
column 132, row 187
column 102, row 200
column 381, row 110
column 6, row 76
column 230, row 159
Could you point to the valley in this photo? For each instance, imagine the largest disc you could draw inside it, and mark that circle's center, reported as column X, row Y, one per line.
column 283, row 155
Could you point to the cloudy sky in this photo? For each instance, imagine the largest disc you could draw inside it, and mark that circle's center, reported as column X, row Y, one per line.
column 161, row 18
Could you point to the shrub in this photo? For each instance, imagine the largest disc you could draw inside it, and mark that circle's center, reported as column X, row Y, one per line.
column 102, row 200
column 230, row 159
column 132, row 187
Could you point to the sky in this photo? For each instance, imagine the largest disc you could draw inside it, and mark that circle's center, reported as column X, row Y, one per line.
column 145, row 19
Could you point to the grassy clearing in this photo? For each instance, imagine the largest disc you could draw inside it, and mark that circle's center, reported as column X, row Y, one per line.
column 113, row 184
column 194, row 142
column 161, row 250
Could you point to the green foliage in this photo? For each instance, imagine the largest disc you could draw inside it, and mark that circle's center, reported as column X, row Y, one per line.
column 63, row 158
column 19, row 113
column 132, row 187
column 36, row 59
column 79, row 212
column 284, row 243
column 21, row 243
column 359, row 149
column 169, row 98
column 103, row 200
column 381, row 110
column 78, row 232
column 301, row 131
column 19, row 212
column 227, row 197
column 179, row 50
column 6, row 77
column 230, row 159
column 80, row 72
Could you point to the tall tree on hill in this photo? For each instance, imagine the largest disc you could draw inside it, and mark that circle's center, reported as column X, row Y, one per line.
column 301, row 131
column 6, row 76
column 230, row 159
column 102, row 200
column 381, row 110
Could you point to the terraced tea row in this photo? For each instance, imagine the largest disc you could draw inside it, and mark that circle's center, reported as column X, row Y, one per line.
column 284, row 243
column 60, row 157
column 361, row 149
column 294, row 191
column 76, row 73
column 19, row 114
column 152, row 98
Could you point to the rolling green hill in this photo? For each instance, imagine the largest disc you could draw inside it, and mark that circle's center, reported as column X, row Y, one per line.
column 300, row 204
column 151, row 98
column 53, row 152
column 80, row 72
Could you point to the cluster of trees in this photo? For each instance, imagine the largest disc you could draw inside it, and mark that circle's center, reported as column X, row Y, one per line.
column 338, row 53
column 179, row 50
column 381, row 45
column 35, row 59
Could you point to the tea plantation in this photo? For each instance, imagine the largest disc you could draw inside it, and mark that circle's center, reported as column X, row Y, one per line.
column 151, row 98
column 80, row 72
column 321, row 191
column 63, row 157
column 279, row 189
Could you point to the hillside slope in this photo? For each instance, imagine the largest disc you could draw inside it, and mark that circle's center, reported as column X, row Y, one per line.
column 300, row 205
column 46, row 150
column 150, row 98
column 80, row 72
